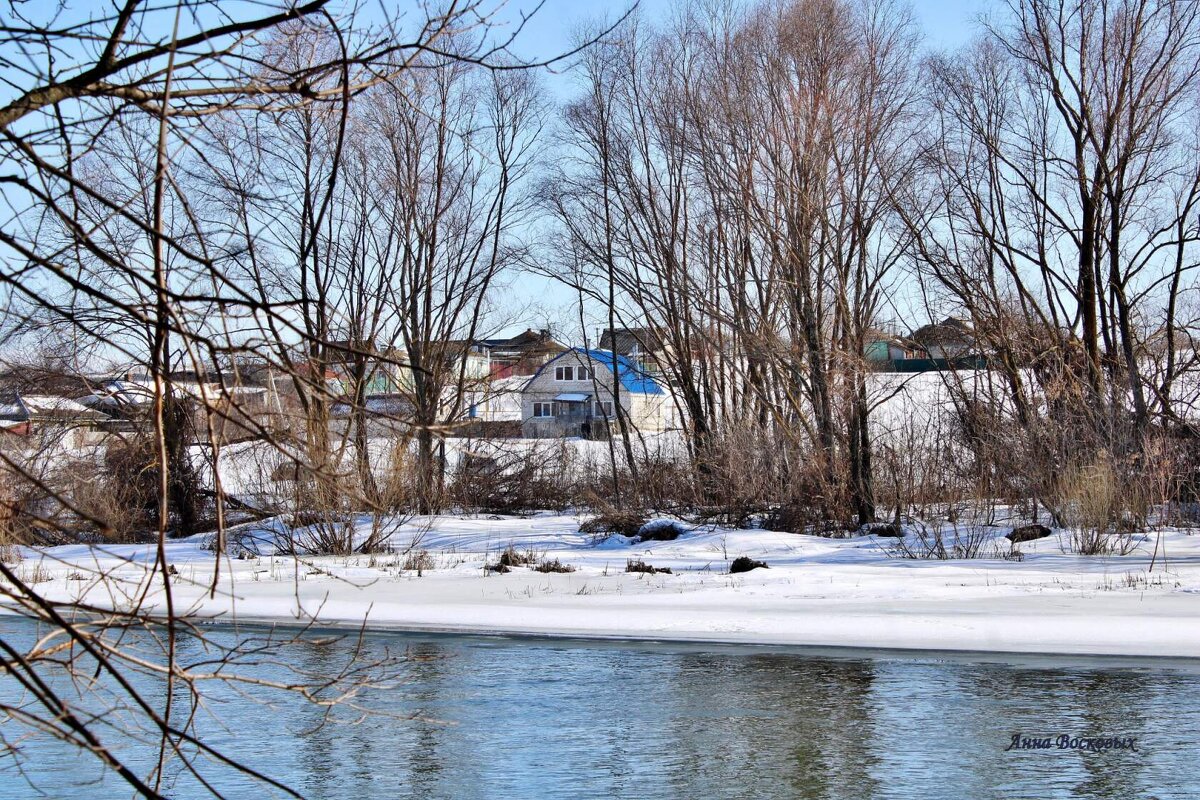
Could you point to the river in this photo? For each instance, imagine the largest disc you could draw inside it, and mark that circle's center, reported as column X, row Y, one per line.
column 482, row 717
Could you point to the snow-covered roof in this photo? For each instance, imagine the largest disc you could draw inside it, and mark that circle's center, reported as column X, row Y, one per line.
column 141, row 392
column 59, row 406
column 390, row 404
column 30, row 406
column 12, row 409
column 128, row 392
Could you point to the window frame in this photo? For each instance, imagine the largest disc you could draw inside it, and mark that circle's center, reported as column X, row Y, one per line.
column 543, row 405
column 564, row 372
column 601, row 410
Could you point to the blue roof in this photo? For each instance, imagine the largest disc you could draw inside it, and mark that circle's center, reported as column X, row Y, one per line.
column 633, row 379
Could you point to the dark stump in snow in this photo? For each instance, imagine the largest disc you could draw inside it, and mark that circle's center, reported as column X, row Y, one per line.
column 661, row 530
column 1027, row 533
column 745, row 564
column 500, row 568
column 882, row 529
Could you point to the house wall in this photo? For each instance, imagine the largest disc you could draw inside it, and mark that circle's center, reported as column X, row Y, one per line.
column 877, row 351
column 389, row 376
column 489, row 406
column 654, row 412
column 499, row 400
column 880, row 351
column 66, row 434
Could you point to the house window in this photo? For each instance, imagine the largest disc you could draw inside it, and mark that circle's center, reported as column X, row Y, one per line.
column 582, row 374
column 564, row 373
column 604, row 408
column 543, row 409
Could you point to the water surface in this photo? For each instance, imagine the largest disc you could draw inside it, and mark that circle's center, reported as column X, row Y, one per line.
column 477, row 717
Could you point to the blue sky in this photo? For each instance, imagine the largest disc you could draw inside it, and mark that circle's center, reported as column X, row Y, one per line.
column 947, row 23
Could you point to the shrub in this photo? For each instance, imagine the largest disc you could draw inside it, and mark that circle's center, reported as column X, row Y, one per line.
column 641, row 566
column 665, row 480
column 936, row 540
column 528, row 477
column 624, row 523
column 9, row 553
column 123, row 495
column 1100, row 506
column 745, row 564
column 553, row 566
column 418, row 561
column 792, row 518
column 661, row 530
column 511, row 558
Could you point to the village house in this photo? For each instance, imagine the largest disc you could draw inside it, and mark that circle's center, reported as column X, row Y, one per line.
column 389, row 384
column 881, row 349
column 497, row 400
column 573, row 395
column 42, row 416
column 520, row 355
column 949, row 339
column 238, row 409
column 949, row 344
column 642, row 346
column 383, row 370
column 493, row 375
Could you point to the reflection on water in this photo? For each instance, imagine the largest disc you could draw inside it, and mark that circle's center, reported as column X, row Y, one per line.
column 482, row 718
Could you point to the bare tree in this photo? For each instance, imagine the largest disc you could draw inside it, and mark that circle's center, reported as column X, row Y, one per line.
column 730, row 184
column 134, row 138
column 1059, row 212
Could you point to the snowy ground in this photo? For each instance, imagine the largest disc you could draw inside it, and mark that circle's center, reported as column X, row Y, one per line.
column 817, row 591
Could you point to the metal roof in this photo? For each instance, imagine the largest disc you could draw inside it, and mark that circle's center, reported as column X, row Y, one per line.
column 633, row 379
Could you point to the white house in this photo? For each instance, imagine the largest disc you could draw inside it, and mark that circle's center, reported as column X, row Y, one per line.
column 573, row 394
column 950, row 338
column 497, row 400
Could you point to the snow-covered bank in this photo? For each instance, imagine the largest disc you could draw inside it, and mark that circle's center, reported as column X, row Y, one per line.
column 817, row 591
